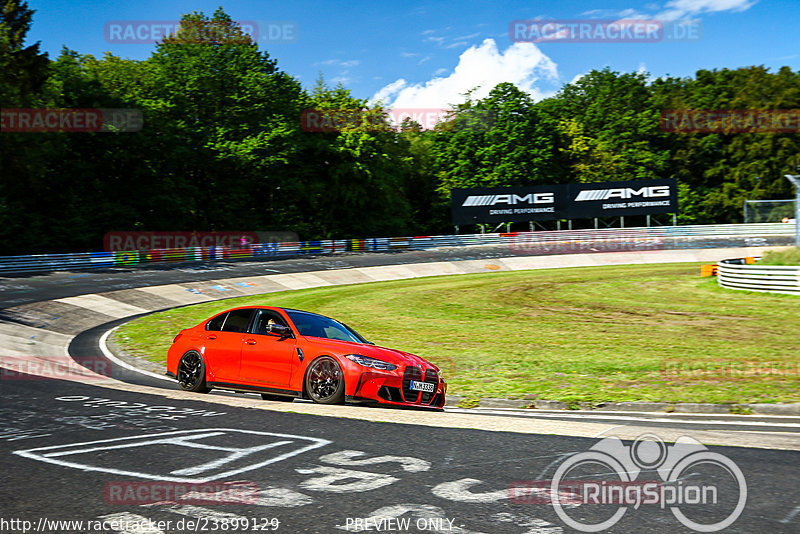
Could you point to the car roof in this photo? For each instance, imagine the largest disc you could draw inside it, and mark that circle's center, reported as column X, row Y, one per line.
column 257, row 307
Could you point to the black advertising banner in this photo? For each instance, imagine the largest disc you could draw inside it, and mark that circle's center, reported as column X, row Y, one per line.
column 570, row 201
column 508, row 204
column 617, row 199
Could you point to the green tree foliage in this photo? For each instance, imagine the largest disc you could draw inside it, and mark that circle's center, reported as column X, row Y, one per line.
column 222, row 146
column 499, row 140
column 23, row 72
column 721, row 171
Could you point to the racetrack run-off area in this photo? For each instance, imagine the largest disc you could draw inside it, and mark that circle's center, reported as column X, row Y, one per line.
column 656, row 333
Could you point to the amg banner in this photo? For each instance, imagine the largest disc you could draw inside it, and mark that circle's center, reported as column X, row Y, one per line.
column 615, row 199
column 568, row 201
column 508, row 204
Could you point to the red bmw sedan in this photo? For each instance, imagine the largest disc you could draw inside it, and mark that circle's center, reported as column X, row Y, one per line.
column 285, row 354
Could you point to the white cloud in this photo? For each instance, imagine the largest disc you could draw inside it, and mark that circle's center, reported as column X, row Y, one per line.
column 577, row 77
column 679, row 9
column 338, row 62
column 674, row 9
column 385, row 94
column 482, row 66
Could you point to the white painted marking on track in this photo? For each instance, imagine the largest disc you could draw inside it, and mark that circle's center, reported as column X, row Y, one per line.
column 241, row 453
column 332, row 480
column 281, row 497
column 103, row 343
column 180, row 438
column 791, row 515
column 458, row 490
column 348, row 458
column 590, row 417
column 609, row 429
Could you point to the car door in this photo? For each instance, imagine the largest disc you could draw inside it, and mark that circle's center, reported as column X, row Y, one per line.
column 268, row 360
column 223, row 347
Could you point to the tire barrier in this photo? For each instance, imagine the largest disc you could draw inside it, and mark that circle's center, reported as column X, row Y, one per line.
column 741, row 274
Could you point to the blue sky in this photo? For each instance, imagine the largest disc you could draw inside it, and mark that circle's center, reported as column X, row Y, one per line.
column 427, row 54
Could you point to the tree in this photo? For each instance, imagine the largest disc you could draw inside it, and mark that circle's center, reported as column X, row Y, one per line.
column 501, row 140
column 23, row 69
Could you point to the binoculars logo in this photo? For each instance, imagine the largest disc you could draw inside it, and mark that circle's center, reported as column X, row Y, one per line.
column 705, row 491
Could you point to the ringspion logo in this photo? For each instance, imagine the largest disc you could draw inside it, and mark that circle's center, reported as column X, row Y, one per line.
column 704, row 490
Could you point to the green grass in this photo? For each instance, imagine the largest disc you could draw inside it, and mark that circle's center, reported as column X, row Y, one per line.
column 783, row 257
column 588, row 334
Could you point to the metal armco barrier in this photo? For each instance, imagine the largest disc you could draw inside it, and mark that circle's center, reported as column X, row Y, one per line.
column 737, row 274
column 518, row 243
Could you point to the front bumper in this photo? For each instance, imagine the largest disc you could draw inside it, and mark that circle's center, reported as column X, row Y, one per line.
column 394, row 388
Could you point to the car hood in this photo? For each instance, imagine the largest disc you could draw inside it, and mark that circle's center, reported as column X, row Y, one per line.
column 397, row 357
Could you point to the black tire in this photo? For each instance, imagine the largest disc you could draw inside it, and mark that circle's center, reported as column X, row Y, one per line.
column 192, row 373
column 281, row 398
column 325, row 381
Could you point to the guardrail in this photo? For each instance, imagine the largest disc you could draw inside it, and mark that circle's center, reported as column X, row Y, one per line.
column 519, row 243
column 738, row 274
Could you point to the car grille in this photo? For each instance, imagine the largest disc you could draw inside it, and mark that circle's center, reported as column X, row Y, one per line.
column 430, row 376
column 415, row 373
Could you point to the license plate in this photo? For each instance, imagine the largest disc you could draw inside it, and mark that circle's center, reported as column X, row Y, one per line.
column 427, row 387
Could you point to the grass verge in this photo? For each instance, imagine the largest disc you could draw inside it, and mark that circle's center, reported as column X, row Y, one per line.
column 587, row 334
column 781, row 257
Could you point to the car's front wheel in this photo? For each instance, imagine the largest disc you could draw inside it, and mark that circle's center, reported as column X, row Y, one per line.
column 325, row 381
column 192, row 373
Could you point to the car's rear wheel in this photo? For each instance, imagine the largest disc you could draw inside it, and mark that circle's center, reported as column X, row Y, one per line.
column 192, row 373
column 283, row 398
column 325, row 381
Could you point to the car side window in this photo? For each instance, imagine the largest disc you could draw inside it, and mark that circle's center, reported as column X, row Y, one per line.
column 217, row 322
column 237, row 321
column 266, row 318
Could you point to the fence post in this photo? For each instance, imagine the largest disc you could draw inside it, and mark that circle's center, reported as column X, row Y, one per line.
column 795, row 179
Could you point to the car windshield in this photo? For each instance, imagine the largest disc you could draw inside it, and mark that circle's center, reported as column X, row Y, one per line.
column 311, row 324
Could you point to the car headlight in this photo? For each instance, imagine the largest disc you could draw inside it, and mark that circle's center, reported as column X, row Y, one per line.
column 371, row 362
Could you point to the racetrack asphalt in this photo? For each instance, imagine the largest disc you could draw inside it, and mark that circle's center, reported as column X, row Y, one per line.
column 340, row 468
column 72, row 451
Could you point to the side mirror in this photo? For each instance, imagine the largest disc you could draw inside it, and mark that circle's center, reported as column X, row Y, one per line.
column 279, row 330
